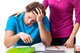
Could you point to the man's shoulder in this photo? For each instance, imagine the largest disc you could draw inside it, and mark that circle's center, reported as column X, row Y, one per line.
column 45, row 18
column 16, row 17
column 12, row 17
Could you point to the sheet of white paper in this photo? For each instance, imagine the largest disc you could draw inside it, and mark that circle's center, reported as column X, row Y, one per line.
column 39, row 47
column 61, row 48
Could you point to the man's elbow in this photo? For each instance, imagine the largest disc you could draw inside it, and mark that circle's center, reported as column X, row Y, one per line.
column 47, row 44
column 6, row 44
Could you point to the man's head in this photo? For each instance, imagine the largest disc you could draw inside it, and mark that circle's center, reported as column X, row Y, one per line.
column 30, row 17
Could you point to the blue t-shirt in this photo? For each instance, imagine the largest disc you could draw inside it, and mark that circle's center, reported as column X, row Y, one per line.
column 16, row 24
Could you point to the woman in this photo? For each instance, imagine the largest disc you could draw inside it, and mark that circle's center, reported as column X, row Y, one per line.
column 61, row 15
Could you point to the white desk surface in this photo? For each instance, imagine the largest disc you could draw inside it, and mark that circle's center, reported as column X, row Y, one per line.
column 67, row 50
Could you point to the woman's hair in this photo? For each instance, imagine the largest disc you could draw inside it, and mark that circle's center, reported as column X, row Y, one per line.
column 32, row 7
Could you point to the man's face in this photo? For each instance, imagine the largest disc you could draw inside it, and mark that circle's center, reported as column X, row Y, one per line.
column 29, row 18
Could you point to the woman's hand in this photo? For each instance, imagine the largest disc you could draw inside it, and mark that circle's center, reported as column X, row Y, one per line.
column 69, row 43
column 25, row 37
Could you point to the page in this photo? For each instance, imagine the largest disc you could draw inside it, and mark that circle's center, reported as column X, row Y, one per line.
column 39, row 47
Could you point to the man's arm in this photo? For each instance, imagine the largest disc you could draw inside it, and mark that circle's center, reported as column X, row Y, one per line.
column 9, row 39
column 44, row 34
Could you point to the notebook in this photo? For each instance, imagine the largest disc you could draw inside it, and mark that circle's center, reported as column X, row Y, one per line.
column 22, row 50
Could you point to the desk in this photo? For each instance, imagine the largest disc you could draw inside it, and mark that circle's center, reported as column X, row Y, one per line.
column 60, row 49
column 77, row 48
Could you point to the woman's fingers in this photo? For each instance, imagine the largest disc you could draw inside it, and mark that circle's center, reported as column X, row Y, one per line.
column 68, row 45
column 57, row 47
column 64, row 44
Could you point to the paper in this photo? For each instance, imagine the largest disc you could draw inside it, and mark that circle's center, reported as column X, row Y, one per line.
column 39, row 47
column 61, row 49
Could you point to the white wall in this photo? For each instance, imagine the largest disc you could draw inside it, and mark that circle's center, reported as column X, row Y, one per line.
column 8, row 7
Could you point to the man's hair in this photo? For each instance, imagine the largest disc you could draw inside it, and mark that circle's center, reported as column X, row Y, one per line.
column 32, row 7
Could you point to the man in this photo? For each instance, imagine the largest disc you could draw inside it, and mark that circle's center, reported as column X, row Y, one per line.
column 28, row 28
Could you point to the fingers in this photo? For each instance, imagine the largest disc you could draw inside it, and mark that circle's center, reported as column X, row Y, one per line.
column 68, row 45
column 39, row 15
column 17, row 13
column 35, row 13
column 65, row 44
column 30, row 40
column 27, row 39
column 39, row 11
column 57, row 47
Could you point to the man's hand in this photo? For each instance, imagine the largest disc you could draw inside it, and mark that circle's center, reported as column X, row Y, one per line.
column 25, row 37
column 39, row 16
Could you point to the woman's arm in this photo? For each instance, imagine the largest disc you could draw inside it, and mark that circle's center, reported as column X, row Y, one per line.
column 74, row 31
column 70, row 42
column 45, row 3
column 76, row 4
